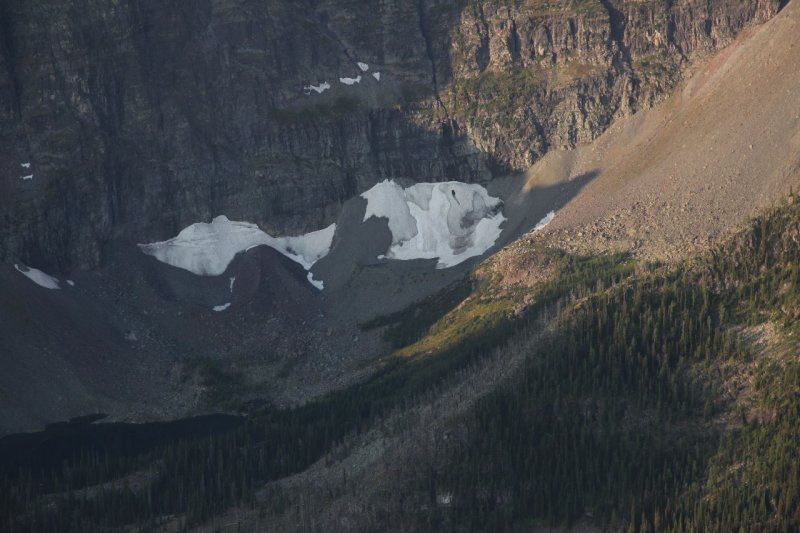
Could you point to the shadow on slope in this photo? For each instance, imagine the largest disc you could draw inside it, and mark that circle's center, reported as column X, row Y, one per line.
column 362, row 287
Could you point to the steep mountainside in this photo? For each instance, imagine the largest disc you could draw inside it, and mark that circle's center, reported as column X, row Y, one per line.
column 680, row 175
column 617, row 351
column 137, row 118
column 607, row 395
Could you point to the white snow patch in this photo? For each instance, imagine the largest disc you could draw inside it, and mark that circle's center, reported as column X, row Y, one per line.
column 548, row 218
column 388, row 199
column 220, row 308
column 70, row 283
column 317, row 283
column 25, row 178
column 233, row 280
column 38, row 277
column 207, row 249
column 377, row 76
column 25, row 165
column 449, row 221
column 350, row 81
column 363, row 66
column 319, row 89
column 309, row 248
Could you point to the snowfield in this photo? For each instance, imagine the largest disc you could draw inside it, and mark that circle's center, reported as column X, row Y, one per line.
column 206, row 249
column 315, row 282
column 548, row 218
column 38, row 277
column 319, row 89
column 449, row 221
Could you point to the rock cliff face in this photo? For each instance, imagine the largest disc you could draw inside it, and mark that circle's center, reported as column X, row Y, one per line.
column 530, row 76
column 139, row 117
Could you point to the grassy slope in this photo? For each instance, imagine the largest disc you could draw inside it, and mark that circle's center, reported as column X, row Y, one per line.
column 621, row 419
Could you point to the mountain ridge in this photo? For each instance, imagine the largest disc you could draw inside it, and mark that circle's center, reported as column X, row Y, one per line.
column 197, row 109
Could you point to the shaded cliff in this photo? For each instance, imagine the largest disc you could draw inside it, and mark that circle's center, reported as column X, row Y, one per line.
column 140, row 117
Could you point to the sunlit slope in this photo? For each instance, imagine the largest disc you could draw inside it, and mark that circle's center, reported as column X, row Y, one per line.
column 671, row 178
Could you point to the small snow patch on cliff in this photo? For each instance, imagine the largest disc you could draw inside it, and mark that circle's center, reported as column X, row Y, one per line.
column 350, row 81
column 38, row 277
column 316, row 283
column 319, row 89
column 548, row 218
column 363, row 66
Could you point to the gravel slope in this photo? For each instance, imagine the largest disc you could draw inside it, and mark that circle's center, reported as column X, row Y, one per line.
column 689, row 170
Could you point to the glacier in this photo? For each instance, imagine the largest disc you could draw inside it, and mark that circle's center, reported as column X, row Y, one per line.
column 206, row 249
column 449, row 221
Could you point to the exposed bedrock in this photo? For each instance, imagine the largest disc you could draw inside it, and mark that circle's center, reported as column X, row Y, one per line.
column 140, row 117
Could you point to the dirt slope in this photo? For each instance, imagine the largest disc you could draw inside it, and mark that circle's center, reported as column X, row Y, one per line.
column 673, row 177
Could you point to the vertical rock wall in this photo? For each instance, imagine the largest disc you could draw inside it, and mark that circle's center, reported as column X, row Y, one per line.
column 140, row 117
